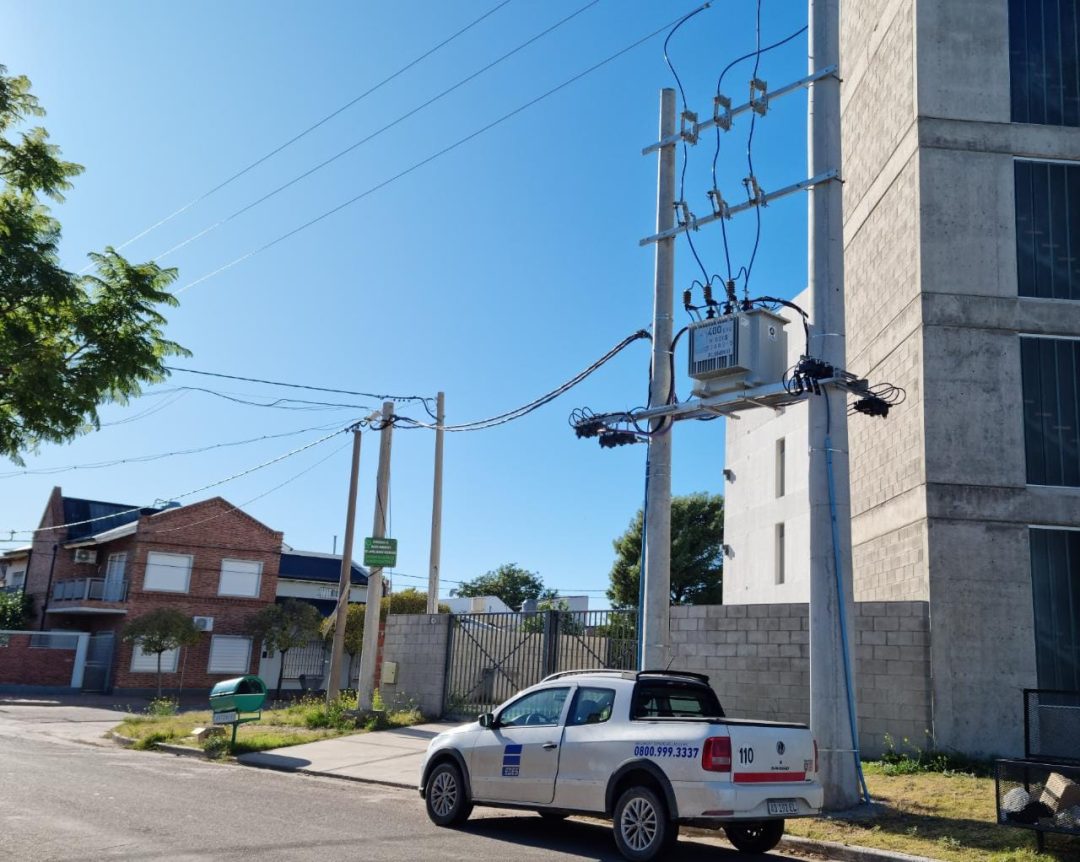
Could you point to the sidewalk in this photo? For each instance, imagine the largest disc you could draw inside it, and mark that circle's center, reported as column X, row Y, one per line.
column 383, row 757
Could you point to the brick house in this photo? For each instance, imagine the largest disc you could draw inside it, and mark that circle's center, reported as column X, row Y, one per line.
column 96, row 565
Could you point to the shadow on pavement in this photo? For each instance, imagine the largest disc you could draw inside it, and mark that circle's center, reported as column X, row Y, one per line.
column 589, row 840
column 274, row 761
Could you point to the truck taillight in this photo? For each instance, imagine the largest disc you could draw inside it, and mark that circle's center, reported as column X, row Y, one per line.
column 815, row 757
column 716, row 754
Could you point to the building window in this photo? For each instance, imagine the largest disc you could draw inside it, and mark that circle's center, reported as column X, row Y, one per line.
column 168, row 573
column 781, row 574
column 1055, row 587
column 113, row 590
column 240, row 578
column 1044, row 46
column 781, row 467
column 1047, row 229
column 147, row 662
column 1050, row 370
column 229, row 654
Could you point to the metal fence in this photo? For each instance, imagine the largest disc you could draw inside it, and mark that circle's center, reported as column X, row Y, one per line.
column 492, row 656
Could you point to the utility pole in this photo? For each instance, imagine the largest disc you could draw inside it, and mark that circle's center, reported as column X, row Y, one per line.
column 436, row 509
column 345, row 581
column 657, row 569
column 831, row 599
column 370, row 656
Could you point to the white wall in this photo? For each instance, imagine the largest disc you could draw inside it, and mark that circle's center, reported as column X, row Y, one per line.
column 315, row 590
column 476, row 605
column 752, row 509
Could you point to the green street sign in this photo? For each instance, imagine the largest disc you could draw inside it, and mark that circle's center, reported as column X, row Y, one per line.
column 380, row 553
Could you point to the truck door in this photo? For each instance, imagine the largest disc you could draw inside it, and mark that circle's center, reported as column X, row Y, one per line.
column 517, row 760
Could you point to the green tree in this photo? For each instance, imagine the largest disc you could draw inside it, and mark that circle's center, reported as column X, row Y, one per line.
column 697, row 554
column 281, row 627
column 408, row 601
column 15, row 610
column 68, row 342
column 159, row 631
column 510, row 582
column 534, row 623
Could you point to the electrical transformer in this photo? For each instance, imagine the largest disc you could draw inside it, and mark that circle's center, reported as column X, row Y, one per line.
column 737, row 351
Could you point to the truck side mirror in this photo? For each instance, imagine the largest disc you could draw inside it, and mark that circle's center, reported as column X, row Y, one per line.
column 486, row 719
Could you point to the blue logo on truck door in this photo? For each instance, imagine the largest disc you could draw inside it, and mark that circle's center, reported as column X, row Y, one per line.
column 511, row 765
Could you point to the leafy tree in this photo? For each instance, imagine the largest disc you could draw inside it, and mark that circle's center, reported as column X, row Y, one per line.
column 281, row 627
column 68, row 342
column 408, row 601
column 534, row 623
column 510, row 582
column 159, row 631
column 697, row 555
column 16, row 609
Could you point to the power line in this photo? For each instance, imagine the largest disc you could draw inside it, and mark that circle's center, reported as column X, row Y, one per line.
column 278, row 403
column 142, row 459
column 190, row 493
column 416, row 166
column 375, row 395
column 314, row 126
column 356, row 144
column 518, row 412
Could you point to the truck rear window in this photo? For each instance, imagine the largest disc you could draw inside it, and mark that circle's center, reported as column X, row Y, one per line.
column 674, row 700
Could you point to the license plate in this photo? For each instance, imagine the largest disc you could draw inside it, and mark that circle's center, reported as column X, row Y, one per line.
column 783, row 806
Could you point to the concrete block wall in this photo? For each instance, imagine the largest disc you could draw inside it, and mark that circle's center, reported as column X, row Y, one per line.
column 418, row 644
column 758, row 660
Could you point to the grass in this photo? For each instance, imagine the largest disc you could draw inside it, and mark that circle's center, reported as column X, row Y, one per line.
column 305, row 720
column 946, row 815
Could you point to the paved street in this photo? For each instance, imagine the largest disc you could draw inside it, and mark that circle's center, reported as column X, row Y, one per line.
column 67, row 798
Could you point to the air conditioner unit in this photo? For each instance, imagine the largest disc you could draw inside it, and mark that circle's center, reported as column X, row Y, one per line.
column 737, row 351
column 204, row 624
column 85, row 555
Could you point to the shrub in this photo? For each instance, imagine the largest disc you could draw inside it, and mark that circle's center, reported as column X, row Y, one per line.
column 911, row 760
column 216, row 746
column 163, row 706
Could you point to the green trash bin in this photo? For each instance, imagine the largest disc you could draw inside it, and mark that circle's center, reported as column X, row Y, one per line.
column 242, row 694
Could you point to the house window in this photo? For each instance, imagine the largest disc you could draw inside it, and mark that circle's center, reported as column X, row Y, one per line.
column 1055, row 587
column 167, row 573
column 781, row 467
column 15, row 580
column 240, row 578
column 1047, row 229
column 1043, row 59
column 1050, row 370
column 146, row 662
column 229, row 654
column 781, row 574
column 113, row 590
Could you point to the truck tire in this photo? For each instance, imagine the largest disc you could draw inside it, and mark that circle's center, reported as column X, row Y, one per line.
column 446, row 796
column 641, row 826
column 758, row 836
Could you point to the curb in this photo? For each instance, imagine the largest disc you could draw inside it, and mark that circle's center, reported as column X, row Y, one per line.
column 322, row 774
column 125, row 741
column 181, row 750
column 847, row 852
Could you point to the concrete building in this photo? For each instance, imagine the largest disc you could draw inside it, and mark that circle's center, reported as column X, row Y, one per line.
column 961, row 123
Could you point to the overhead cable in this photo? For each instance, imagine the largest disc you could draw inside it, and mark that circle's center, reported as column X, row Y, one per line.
column 417, row 165
column 375, row 395
column 315, row 125
column 373, row 135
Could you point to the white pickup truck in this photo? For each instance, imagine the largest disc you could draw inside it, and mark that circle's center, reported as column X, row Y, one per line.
column 650, row 750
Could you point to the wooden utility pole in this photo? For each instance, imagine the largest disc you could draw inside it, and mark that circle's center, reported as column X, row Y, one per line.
column 345, row 581
column 370, row 656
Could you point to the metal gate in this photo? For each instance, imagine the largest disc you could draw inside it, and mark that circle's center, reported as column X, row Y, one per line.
column 492, row 656
column 97, row 673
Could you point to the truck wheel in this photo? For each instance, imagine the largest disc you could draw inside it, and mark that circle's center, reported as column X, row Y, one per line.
column 641, row 825
column 759, row 836
column 444, row 793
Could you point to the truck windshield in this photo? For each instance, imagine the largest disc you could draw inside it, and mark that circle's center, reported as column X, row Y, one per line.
column 674, row 700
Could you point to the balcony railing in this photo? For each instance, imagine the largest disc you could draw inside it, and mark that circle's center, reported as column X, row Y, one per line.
column 89, row 590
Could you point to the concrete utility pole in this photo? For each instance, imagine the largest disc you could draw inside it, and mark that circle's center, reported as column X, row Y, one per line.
column 436, row 509
column 657, row 569
column 830, row 526
column 370, row 656
column 345, row 581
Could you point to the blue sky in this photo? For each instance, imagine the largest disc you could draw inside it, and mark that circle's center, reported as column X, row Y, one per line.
column 494, row 273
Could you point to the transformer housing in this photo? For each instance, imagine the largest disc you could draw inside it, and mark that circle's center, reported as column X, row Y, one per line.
column 737, row 351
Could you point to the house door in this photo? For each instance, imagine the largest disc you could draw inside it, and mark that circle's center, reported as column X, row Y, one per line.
column 99, row 653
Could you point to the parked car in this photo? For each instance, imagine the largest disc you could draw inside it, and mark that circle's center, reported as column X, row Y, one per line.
column 651, row 750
